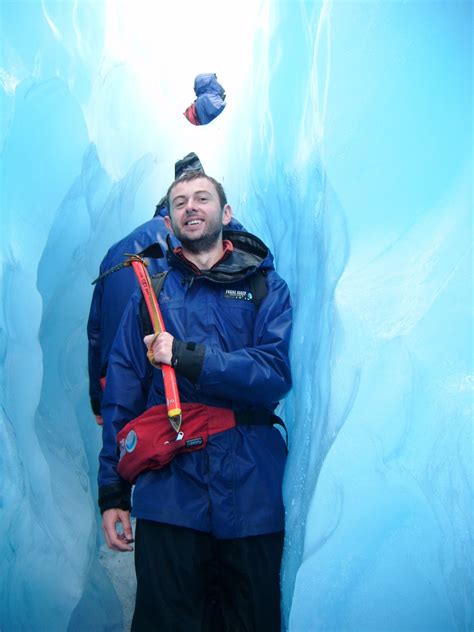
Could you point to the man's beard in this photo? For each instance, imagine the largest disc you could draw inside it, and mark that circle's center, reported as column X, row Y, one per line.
column 204, row 243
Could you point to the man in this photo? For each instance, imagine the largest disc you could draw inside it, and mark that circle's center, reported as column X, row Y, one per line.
column 214, row 516
column 112, row 292
column 117, row 283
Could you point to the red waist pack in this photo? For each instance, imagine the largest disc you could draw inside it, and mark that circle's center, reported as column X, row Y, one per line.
column 149, row 441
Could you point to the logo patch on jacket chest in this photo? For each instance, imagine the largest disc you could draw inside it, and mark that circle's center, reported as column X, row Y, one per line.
column 241, row 295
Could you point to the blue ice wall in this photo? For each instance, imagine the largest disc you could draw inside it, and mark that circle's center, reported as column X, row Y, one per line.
column 346, row 145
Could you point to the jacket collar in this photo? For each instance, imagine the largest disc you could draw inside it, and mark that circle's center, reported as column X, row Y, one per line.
column 248, row 255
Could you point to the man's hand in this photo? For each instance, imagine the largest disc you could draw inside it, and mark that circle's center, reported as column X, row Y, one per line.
column 98, row 419
column 160, row 348
column 118, row 541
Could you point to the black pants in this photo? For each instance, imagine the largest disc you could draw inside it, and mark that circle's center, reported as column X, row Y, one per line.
column 189, row 581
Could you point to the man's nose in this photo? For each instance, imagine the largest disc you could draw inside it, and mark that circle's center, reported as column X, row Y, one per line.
column 190, row 205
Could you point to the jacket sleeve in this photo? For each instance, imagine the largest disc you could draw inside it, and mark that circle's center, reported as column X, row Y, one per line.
column 125, row 397
column 93, row 336
column 253, row 376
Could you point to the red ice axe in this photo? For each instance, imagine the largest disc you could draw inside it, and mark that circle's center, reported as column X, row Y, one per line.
column 173, row 403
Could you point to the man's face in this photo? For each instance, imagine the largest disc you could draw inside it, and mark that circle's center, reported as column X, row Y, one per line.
column 196, row 216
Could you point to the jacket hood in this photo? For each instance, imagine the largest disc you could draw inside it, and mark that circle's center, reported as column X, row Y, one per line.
column 208, row 83
column 249, row 255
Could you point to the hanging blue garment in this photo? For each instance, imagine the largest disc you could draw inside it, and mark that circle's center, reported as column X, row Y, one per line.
column 210, row 100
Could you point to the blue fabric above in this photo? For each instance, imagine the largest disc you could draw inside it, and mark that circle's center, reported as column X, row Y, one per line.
column 210, row 97
column 207, row 83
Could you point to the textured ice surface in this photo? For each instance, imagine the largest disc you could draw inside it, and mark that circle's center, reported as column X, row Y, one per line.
column 346, row 145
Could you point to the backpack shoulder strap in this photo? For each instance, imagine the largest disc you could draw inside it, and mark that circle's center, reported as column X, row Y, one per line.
column 258, row 287
column 157, row 281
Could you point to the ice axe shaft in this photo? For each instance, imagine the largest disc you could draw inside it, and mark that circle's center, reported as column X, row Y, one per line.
column 173, row 403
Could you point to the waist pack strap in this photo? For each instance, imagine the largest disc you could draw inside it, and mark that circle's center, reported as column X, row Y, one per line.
column 260, row 417
column 219, row 419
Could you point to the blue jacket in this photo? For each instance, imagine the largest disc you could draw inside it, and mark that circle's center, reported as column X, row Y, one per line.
column 210, row 98
column 239, row 360
column 112, row 293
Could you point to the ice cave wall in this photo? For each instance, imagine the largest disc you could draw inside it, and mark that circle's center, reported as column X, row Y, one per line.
column 346, row 145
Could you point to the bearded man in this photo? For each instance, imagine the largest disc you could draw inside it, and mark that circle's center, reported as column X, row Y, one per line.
column 214, row 516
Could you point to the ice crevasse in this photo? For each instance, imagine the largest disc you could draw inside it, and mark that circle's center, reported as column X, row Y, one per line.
column 346, row 145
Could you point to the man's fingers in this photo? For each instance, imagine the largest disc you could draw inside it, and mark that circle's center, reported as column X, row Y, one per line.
column 115, row 540
column 120, row 544
column 159, row 348
column 149, row 342
column 150, row 339
column 127, row 526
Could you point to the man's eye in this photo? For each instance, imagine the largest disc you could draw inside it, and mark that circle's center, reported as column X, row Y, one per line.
column 203, row 198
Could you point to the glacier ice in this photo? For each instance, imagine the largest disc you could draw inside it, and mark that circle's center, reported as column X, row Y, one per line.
column 346, row 145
